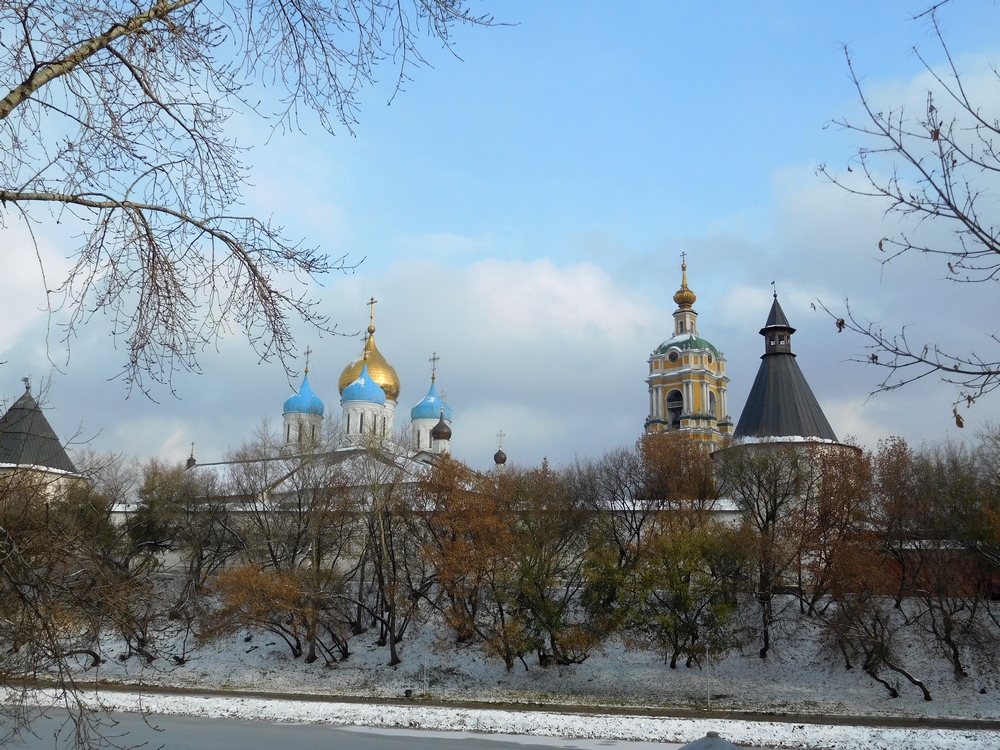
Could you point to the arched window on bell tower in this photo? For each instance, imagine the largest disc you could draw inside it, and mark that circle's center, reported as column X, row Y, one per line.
column 675, row 406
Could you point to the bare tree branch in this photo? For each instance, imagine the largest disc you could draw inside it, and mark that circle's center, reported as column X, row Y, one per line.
column 117, row 115
column 943, row 169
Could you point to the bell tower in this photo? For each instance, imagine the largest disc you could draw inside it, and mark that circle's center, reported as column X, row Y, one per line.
column 687, row 378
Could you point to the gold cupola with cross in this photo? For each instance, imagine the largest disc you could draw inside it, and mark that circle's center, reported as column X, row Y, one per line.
column 687, row 378
column 381, row 371
column 369, row 390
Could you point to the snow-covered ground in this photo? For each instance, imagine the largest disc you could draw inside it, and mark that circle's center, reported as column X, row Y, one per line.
column 671, row 732
column 795, row 679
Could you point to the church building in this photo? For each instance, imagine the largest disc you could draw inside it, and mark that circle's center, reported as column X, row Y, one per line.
column 687, row 380
column 369, row 393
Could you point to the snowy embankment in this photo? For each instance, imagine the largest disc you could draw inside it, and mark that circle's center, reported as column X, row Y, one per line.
column 796, row 679
column 551, row 724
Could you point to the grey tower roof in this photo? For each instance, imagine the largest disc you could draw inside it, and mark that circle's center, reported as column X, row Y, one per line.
column 781, row 403
column 27, row 438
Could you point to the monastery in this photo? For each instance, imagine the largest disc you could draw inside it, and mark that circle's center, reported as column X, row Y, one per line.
column 687, row 386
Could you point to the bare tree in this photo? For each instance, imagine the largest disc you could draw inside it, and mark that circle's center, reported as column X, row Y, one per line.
column 774, row 485
column 298, row 526
column 69, row 598
column 399, row 575
column 116, row 116
column 943, row 167
column 614, row 488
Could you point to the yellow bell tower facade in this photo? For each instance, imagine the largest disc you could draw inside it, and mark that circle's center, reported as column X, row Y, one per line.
column 687, row 379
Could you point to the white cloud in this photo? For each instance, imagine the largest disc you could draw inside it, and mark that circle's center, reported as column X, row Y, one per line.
column 483, row 268
column 29, row 269
column 540, row 301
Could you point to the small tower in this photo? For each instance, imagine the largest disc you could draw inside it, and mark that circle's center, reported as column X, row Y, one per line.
column 687, row 379
column 363, row 402
column 425, row 415
column 499, row 458
column 379, row 371
column 781, row 403
column 441, row 436
column 302, row 416
column 28, row 442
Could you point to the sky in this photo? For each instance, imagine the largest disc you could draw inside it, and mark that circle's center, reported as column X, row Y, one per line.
column 521, row 208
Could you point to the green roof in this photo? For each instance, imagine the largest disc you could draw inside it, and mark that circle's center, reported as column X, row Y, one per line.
column 686, row 341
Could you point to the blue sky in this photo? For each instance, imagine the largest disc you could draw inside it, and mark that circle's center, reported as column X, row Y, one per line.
column 521, row 208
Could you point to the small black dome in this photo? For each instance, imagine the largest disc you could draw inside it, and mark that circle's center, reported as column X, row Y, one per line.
column 500, row 458
column 441, row 431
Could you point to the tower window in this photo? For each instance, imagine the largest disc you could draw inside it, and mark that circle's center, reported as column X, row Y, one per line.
column 675, row 405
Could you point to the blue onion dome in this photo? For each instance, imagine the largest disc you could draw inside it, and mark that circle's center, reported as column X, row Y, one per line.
column 305, row 401
column 431, row 406
column 364, row 388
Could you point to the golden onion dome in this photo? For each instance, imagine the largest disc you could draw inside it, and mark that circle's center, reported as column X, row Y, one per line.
column 684, row 297
column 381, row 371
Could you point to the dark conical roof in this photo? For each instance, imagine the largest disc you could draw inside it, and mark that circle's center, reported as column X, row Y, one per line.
column 27, row 438
column 781, row 403
column 776, row 318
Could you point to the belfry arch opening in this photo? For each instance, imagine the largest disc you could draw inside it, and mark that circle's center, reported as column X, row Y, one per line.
column 675, row 405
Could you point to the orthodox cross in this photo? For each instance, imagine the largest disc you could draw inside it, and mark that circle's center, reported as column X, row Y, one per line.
column 434, row 359
column 500, row 436
column 308, row 352
column 371, row 319
column 684, row 258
